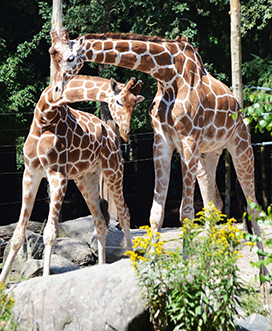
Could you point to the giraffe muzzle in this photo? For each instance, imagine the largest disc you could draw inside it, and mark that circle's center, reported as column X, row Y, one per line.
column 125, row 134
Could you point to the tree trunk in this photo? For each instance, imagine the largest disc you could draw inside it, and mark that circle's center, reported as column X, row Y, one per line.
column 264, row 179
column 236, row 62
column 236, row 50
column 56, row 24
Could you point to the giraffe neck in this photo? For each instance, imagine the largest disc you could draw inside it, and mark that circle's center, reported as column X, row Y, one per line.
column 81, row 88
column 86, row 88
column 163, row 60
column 46, row 114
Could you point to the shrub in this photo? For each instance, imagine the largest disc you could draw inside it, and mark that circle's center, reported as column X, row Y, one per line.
column 196, row 289
column 6, row 304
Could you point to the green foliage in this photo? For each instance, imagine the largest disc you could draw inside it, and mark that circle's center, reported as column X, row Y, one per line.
column 258, row 99
column 264, row 218
column 6, row 304
column 198, row 290
column 255, row 13
column 252, row 302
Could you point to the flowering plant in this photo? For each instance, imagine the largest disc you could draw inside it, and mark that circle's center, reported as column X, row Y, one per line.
column 195, row 288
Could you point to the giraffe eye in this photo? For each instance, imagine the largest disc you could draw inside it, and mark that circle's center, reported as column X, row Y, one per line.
column 119, row 103
column 71, row 58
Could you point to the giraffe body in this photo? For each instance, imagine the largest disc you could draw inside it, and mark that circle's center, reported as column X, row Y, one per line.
column 192, row 112
column 64, row 143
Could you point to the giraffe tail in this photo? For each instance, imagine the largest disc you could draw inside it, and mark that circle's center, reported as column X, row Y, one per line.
column 104, row 206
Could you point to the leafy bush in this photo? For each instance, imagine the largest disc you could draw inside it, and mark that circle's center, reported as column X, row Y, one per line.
column 198, row 290
column 6, row 304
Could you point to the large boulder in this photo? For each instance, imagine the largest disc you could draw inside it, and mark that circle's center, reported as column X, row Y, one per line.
column 101, row 297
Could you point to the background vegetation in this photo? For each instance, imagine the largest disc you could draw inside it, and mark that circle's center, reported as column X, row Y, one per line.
column 24, row 65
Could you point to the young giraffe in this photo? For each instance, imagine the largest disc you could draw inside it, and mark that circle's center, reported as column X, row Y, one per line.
column 192, row 112
column 63, row 144
column 121, row 99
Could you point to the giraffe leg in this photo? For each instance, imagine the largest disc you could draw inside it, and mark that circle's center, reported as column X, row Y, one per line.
column 206, row 177
column 89, row 187
column 31, row 182
column 58, row 185
column 243, row 160
column 162, row 154
column 189, row 163
column 114, row 182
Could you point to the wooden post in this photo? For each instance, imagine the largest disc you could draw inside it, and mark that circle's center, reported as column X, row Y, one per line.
column 236, row 62
column 57, row 25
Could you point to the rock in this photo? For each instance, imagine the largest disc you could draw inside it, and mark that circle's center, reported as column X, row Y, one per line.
column 34, row 268
column 74, row 250
column 115, row 245
column 60, row 265
column 32, row 249
column 254, row 322
column 98, row 298
column 76, row 228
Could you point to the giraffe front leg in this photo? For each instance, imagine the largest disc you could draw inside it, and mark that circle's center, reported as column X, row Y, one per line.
column 31, row 182
column 58, row 185
column 162, row 154
column 89, row 187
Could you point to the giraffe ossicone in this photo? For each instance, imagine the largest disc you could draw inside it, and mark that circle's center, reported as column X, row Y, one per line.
column 64, row 143
column 192, row 112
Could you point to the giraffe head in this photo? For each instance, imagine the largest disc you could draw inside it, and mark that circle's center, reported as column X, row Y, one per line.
column 124, row 101
column 66, row 58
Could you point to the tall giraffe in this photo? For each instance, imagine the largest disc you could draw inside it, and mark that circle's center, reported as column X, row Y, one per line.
column 192, row 112
column 63, row 144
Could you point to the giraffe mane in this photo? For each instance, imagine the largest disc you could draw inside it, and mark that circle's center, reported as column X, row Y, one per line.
column 140, row 37
column 131, row 36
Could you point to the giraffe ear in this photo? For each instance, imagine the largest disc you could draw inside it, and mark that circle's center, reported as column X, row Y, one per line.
column 114, row 86
column 64, row 35
column 79, row 44
column 140, row 98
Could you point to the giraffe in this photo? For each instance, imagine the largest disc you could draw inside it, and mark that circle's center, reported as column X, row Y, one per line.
column 192, row 112
column 121, row 99
column 64, row 143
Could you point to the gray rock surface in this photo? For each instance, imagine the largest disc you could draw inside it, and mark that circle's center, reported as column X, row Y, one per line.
column 102, row 297
column 32, row 249
column 76, row 228
column 75, row 250
column 254, row 322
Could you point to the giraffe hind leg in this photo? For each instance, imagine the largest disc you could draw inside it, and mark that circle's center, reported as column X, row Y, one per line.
column 115, row 186
column 243, row 160
column 89, row 187
column 58, row 185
